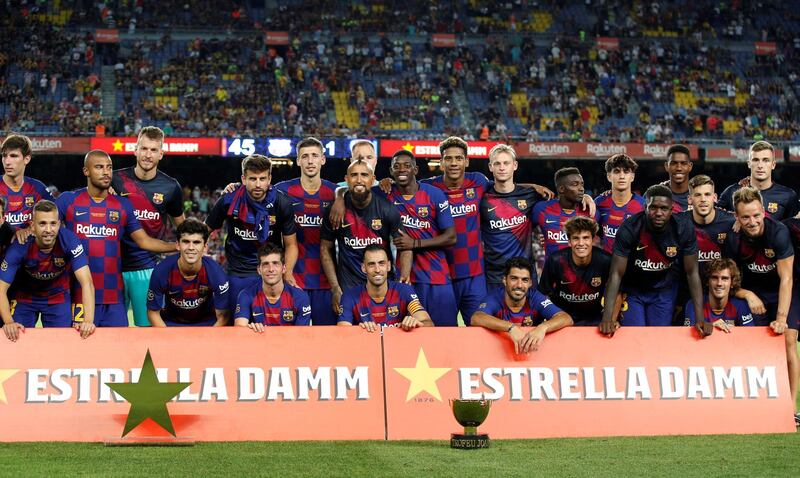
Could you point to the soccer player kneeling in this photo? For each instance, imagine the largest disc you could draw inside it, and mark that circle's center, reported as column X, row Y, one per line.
column 719, row 306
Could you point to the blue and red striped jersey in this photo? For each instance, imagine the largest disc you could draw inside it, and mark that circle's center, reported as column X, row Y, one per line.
column 653, row 258
column 241, row 243
column 19, row 203
column 309, row 208
column 466, row 256
column 400, row 301
column 188, row 301
column 293, row 307
column 506, row 228
column 710, row 237
column 43, row 277
column 536, row 309
column 780, row 202
column 100, row 224
column 550, row 217
column 577, row 290
column 375, row 224
column 736, row 312
column 757, row 258
column 153, row 201
column 612, row 215
column 425, row 215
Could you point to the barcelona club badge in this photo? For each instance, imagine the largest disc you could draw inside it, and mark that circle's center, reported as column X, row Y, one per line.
column 672, row 251
column 422, row 211
column 596, row 281
column 158, row 198
column 770, row 253
column 522, row 204
column 471, row 193
column 113, row 216
column 772, row 207
column 376, row 224
column 393, row 311
column 288, row 316
column 29, row 201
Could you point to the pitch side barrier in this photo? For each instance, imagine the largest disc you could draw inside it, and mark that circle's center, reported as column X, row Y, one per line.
column 324, row 383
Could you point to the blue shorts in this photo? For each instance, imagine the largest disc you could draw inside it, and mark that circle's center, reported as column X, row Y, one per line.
column 321, row 308
column 238, row 284
column 439, row 301
column 105, row 315
column 653, row 308
column 53, row 315
column 137, row 284
column 469, row 293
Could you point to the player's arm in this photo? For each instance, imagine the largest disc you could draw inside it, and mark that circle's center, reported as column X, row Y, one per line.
column 223, row 317
column 154, row 316
column 406, row 259
column 84, row 277
column 535, row 337
column 177, row 220
column 336, row 214
column 10, row 328
column 755, row 304
column 609, row 324
column 416, row 315
column 690, row 265
column 329, row 267
column 784, row 294
column 151, row 244
column 216, row 217
column 346, row 316
column 487, row 321
column 243, row 313
column 290, row 252
column 542, row 190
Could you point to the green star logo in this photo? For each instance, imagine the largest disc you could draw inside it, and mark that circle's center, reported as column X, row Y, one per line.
column 148, row 397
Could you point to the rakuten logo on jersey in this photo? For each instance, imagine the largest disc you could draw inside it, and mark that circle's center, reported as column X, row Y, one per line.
column 648, row 265
column 579, row 298
column 415, row 223
column 609, row 231
column 557, row 236
column 145, row 215
column 361, row 242
column 507, row 223
column 308, row 221
column 188, row 304
column 94, row 231
column 761, row 269
column 45, row 275
column 17, row 218
column 463, row 209
column 245, row 234
column 705, row 256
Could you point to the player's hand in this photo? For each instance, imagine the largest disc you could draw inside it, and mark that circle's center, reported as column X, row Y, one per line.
column 410, row 323
column 386, row 185
column 85, row 328
column 547, row 193
column 288, row 278
column 256, row 327
column 21, row 235
column 704, row 328
column 231, row 187
column 736, row 226
column 778, row 326
column 111, row 190
column 609, row 327
column 588, row 204
column 722, row 325
column 369, row 326
column 336, row 215
column 336, row 300
column 534, row 339
column 745, row 182
column 13, row 331
column 403, row 242
column 756, row 305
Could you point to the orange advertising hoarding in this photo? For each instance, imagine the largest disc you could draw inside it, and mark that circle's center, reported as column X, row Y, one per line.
column 644, row 381
column 287, row 384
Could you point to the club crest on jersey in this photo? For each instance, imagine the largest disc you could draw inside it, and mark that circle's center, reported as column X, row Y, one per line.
column 671, row 251
column 113, row 216
column 59, row 261
column 393, row 311
column 470, row 193
column 288, row 316
column 272, row 220
column 376, row 224
column 422, row 211
column 158, row 198
column 721, row 237
column 522, row 204
column 596, row 281
column 772, row 207
column 770, row 253
column 202, row 290
column 527, row 321
column 29, row 201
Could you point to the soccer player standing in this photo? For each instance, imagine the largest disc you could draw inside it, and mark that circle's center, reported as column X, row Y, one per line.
column 711, row 223
column 621, row 202
column 647, row 250
column 189, row 288
column 381, row 302
column 429, row 228
column 519, row 304
column 154, row 196
column 251, row 211
column 779, row 200
column 575, row 278
column 40, row 269
column 272, row 301
column 101, row 219
column 20, row 192
column 311, row 198
column 551, row 215
column 678, row 166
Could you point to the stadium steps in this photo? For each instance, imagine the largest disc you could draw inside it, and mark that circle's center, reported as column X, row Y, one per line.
column 108, row 105
column 345, row 114
column 464, row 111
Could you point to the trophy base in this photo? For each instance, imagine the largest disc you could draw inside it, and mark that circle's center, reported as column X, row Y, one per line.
column 469, row 442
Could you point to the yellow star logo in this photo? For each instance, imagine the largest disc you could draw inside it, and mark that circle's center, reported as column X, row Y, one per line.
column 408, row 147
column 117, row 145
column 5, row 374
column 422, row 377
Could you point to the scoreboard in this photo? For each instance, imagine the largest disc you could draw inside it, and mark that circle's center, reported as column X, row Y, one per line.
column 285, row 147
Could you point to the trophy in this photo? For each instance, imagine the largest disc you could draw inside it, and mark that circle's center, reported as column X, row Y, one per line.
column 470, row 414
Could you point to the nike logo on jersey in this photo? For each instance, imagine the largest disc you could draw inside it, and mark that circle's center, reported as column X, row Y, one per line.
column 81, row 213
column 124, row 194
column 256, row 314
column 364, row 315
column 397, row 203
column 548, row 221
column 491, row 209
column 565, row 282
column 639, row 248
column 347, row 225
